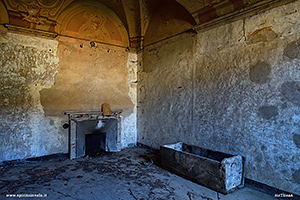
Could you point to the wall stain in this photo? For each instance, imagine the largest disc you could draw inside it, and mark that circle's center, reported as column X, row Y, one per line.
column 296, row 138
column 265, row 34
column 260, row 73
column 291, row 91
column 292, row 50
column 296, row 177
column 267, row 112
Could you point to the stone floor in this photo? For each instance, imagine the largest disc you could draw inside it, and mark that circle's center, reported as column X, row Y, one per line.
column 130, row 174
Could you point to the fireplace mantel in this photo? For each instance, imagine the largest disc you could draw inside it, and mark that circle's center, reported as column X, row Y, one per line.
column 75, row 118
column 91, row 115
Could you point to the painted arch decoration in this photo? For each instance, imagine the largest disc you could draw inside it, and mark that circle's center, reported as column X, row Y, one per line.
column 92, row 21
column 126, row 23
column 35, row 14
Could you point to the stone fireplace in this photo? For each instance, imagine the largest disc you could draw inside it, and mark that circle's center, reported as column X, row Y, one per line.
column 92, row 128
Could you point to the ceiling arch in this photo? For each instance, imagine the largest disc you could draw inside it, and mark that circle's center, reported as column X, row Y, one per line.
column 92, row 20
column 169, row 19
column 130, row 23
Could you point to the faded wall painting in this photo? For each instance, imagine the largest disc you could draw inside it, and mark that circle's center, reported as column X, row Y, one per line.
column 34, row 13
column 94, row 25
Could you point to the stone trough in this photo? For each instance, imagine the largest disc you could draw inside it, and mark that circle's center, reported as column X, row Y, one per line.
column 216, row 170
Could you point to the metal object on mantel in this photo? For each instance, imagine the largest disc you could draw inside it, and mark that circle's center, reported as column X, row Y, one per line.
column 216, row 170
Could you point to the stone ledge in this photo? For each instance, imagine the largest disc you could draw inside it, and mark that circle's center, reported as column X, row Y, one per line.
column 36, row 32
column 240, row 14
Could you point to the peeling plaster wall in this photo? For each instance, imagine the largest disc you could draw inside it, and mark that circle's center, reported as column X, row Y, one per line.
column 129, row 124
column 235, row 89
column 41, row 78
column 90, row 76
column 28, row 65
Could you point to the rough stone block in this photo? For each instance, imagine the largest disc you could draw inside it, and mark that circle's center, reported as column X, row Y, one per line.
column 216, row 170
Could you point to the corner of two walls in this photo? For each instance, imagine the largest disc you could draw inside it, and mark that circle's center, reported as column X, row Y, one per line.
column 235, row 89
column 129, row 124
column 165, row 96
column 41, row 78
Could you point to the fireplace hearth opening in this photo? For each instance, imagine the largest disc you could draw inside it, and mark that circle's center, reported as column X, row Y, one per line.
column 95, row 143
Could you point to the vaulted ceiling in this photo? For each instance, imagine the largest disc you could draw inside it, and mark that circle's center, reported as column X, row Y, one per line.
column 128, row 23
